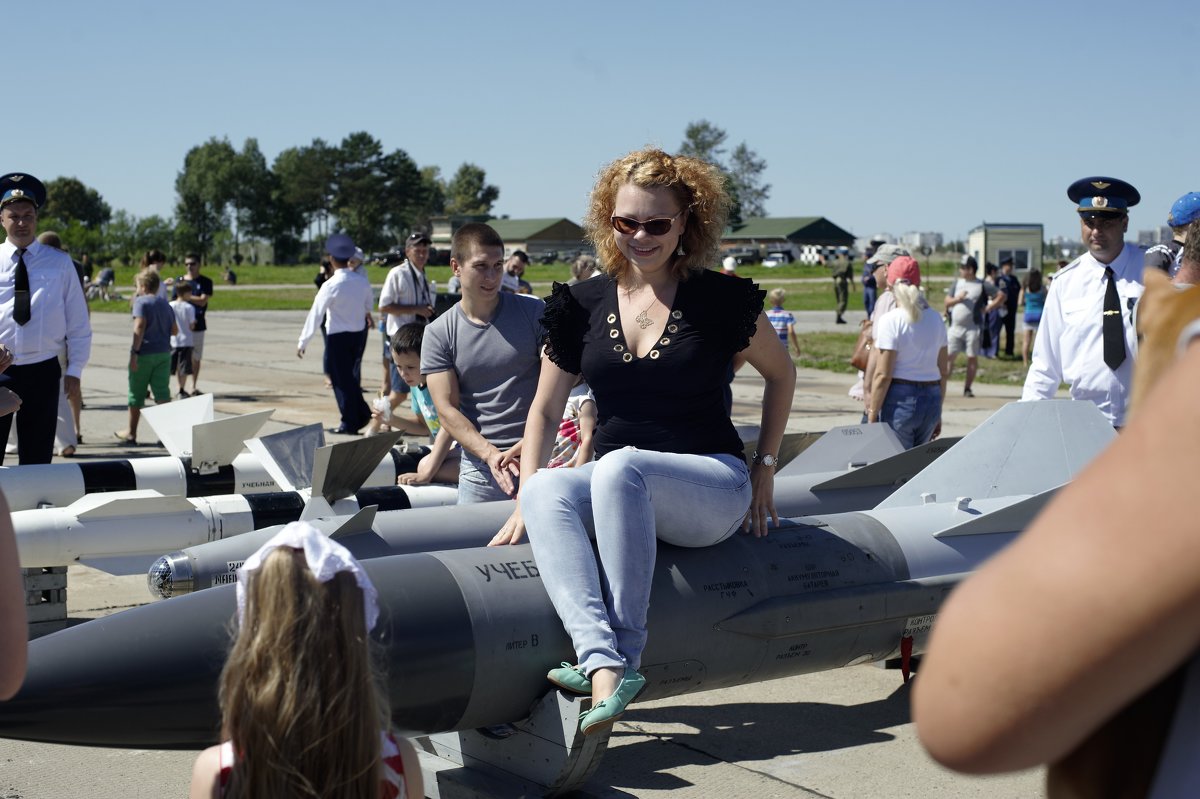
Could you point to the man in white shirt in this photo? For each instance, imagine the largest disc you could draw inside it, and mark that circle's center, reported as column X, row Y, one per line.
column 407, row 297
column 42, row 313
column 1086, row 337
column 514, row 281
column 344, row 301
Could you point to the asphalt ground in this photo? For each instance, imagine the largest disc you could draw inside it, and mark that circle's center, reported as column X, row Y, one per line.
column 839, row 734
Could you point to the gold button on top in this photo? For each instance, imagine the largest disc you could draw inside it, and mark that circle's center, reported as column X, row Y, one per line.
column 664, row 341
column 672, row 328
column 618, row 348
column 627, row 357
column 654, row 355
column 612, row 318
column 676, row 314
column 614, row 333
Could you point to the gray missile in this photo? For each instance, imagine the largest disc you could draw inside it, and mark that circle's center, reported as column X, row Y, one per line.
column 819, row 593
column 124, row 532
column 848, row 468
column 212, row 468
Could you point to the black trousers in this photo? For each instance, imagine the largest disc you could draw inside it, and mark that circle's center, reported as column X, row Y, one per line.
column 37, row 386
column 1010, row 329
column 345, row 359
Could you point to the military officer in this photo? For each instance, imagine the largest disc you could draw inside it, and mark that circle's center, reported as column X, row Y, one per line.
column 1086, row 338
column 42, row 313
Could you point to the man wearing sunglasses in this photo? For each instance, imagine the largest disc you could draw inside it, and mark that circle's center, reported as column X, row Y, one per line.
column 202, row 289
column 1086, row 336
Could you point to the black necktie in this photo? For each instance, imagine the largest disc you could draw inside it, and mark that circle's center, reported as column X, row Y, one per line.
column 1114, row 330
column 21, row 303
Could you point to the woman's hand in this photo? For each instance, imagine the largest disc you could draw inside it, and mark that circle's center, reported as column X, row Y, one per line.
column 513, row 530
column 762, row 501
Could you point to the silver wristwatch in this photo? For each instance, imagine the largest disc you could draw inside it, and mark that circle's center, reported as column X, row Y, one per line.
column 766, row 460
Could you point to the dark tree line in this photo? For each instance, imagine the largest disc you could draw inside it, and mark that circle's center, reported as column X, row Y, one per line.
column 225, row 197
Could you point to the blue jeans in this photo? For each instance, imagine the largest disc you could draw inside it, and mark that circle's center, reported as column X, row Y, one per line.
column 475, row 482
column 912, row 411
column 627, row 500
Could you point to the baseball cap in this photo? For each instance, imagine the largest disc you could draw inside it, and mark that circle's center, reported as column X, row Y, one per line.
column 886, row 254
column 904, row 268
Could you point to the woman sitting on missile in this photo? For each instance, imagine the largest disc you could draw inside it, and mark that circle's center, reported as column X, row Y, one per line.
column 302, row 708
column 911, row 365
column 654, row 336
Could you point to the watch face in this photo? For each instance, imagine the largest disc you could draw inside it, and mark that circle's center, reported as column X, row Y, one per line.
column 767, row 460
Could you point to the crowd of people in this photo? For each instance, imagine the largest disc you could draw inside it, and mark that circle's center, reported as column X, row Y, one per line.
column 604, row 411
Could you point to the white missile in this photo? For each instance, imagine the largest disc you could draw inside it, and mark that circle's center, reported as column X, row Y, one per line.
column 123, row 532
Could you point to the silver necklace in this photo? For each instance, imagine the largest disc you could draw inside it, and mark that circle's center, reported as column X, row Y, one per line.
column 643, row 320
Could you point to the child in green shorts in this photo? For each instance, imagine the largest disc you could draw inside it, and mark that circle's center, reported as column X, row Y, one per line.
column 150, row 353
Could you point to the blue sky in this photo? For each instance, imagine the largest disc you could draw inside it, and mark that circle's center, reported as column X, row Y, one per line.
column 881, row 116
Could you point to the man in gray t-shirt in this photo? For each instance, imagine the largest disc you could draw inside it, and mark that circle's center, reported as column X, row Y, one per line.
column 967, row 300
column 481, row 360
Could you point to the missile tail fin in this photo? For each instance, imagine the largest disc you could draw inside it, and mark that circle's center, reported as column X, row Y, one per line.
column 316, row 508
column 144, row 502
column 844, row 447
column 360, row 522
column 172, row 422
column 892, row 471
column 340, row 469
column 217, row 443
column 288, row 455
column 1012, row 518
column 1022, row 449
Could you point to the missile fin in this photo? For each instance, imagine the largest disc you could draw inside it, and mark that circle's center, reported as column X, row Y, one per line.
column 360, row 522
column 288, row 455
column 121, row 565
column 144, row 502
column 837, row 450
column 893, row 471
column 172, row 422
column 340, row 469
column 316, row 508
column 217, row 443
column 1011, row 518
column 1022, row 449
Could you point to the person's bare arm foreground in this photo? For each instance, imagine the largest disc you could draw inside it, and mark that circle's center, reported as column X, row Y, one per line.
column 1096, row 602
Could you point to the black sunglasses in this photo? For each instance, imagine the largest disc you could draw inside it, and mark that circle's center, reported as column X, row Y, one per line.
column 655, row 227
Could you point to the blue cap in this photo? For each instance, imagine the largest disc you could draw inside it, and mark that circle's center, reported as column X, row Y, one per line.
column 1185, row 211
column 340, row 246
column 17, row 186
column 1101, row 195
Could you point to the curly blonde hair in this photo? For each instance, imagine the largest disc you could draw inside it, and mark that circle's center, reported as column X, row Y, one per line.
column 697, row 185
column 300, row 698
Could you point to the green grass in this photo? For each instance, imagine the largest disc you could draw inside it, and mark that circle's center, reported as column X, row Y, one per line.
column 289, row 299
column 831, row 352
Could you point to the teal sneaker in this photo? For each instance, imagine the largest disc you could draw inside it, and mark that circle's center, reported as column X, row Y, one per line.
column 570, row 678
column 604, row 713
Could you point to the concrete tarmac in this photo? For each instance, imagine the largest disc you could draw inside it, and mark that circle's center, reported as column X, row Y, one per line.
column 840, row 734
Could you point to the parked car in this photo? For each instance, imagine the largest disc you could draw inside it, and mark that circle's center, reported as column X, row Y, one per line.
column 775, row 259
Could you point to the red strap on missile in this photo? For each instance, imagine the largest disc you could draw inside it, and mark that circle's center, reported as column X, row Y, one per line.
column 906, row 657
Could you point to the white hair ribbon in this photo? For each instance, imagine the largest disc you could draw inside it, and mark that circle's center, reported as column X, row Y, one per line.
column 325, row 558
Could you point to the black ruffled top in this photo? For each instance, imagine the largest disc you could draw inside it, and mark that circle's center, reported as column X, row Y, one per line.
column 673, row 398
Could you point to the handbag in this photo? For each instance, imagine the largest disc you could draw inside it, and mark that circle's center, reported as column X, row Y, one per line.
column 862, row 347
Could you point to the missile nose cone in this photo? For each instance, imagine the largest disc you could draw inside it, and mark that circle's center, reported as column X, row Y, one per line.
column 171, row 575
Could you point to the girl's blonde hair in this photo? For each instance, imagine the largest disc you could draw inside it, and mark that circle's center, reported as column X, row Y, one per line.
column 908, row 300
column 301, row 701
column 699, row 187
